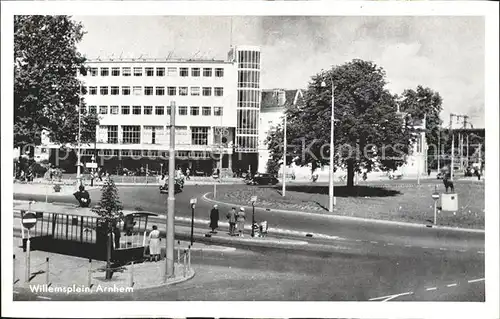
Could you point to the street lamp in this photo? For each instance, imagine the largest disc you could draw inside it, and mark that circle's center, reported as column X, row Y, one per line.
column 78, row 168
column 253, row 200
column 435, row 197
column 284, row 158
column 332, row 150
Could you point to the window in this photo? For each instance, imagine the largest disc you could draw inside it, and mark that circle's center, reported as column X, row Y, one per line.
column 125, row 90
column 199, row 135
column 218, row 111
column 148, row 90
column 125, row 109
column 183, row 90
column 207, row 72
column 83, row 110
column 195, row 91
column 159, row 110
column 93, row 109
column 137, row 90
column 93, row 71
column 115, row 90
column 249, row 79
column 148, row 110
column 206, row 111
column 219, row 72
column 126, row 72
column 184, row 72
column 103, row 109
column 207, row 91
column 131, row 134
column 150, row 71
column 92, row 90
column 195, row 110
column 151, row 134
column 169, row 110
column 195, row 71
column 160, row 90
column 115, row 72
column 171, row 90
column 160, row 71
column 104, row 71
column 104, row 90
column 137, row 71
column 112, row 134
column 171, row 71
column 218, row 91
column 183, row 110
column 113, row 109
column 136, row 110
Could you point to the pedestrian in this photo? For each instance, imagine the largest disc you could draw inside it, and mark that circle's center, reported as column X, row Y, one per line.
column 188, row 173
column 240, row 220
column 214, row 218
column 231, row 216
column 428, row 172
column 82, row 196
column 154, row 244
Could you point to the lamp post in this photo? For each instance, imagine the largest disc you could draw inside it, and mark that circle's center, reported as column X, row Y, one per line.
column 284, row 161
column 435, row 197
column 332, row 150
column 78, row 167
column 193, row 204
column 170, row 231
column 253, row 200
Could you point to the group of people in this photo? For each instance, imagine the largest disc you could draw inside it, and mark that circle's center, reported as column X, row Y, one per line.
column 235, row 218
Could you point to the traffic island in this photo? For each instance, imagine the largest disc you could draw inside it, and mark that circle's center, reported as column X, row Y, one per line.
column 412, row 203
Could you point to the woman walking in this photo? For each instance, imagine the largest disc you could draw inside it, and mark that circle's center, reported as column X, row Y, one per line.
column 154, row 244
column 214, row 219
column 240, row 220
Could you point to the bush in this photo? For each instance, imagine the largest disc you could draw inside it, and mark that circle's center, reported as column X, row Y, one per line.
column 39, row 169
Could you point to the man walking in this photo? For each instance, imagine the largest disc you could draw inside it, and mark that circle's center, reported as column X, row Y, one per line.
column 188, row 173
column 231, row 216
column 214, row 219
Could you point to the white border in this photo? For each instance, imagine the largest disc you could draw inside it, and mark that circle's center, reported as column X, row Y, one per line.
column 489, row 309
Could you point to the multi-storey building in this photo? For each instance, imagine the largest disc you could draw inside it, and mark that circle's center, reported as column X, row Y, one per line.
column 217, row 104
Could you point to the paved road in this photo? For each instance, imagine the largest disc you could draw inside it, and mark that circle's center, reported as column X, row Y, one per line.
column 368, row 260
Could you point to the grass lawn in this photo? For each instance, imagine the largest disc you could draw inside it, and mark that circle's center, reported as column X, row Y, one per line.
column 398, row 202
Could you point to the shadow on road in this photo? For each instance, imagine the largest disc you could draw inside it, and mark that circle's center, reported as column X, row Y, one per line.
column 344, row 191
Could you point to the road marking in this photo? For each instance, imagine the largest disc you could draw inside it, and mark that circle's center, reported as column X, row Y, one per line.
column 374, row 242
column 443, row 249
column 407, row 245
column 390, row 244
column 480, row 252
column 432, row 288
column 475, row 280
column 42, row 297
column 390, row 297
column 451, row 285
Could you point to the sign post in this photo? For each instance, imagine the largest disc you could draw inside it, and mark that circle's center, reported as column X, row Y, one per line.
column 435, row 197
column 253, row 200
column 193, row 204
column 29, row 220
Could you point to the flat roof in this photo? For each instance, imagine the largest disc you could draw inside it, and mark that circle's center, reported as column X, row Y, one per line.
column 156, row 60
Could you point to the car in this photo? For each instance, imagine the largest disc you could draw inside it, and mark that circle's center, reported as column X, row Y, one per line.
column 263, row 179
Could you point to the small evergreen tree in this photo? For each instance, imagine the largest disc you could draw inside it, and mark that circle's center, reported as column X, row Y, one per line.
column 109, row 209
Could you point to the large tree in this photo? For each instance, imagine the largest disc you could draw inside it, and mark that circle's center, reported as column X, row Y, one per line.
column 424, row 102
column 46, row 88
column 368, row 130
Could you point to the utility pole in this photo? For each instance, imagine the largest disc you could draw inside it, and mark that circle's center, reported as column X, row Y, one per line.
column 452, row 147
column 284, row 159
column 439, row 150
column 170, row 231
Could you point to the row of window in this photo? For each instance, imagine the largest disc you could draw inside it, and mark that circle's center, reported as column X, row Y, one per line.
column 131, row 134
column 158, row 71
column 158, row 90
column 158, row 110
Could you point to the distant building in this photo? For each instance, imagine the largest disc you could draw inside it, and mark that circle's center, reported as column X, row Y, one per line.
column 217, row 105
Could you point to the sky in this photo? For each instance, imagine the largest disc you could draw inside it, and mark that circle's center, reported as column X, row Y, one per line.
column 443, row 53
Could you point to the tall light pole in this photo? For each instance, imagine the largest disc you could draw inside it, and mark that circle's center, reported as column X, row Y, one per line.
column 284, row 158
column 170, row 231
column 332, row 150
column 78, row 167
column 439, row 150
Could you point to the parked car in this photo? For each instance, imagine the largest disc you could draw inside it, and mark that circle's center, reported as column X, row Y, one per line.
column 263, row 179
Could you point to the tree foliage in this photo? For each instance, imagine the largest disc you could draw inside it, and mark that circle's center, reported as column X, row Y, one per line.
column 424, row 102
column 368, row 130
column 46, row 88
column 109, row 209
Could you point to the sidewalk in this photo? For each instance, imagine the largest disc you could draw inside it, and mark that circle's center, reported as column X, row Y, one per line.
column 69, row 272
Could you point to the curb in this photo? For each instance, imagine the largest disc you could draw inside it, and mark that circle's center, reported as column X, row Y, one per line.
column 349, row 218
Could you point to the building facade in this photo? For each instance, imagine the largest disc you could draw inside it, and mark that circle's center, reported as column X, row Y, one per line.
column 216, row 102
